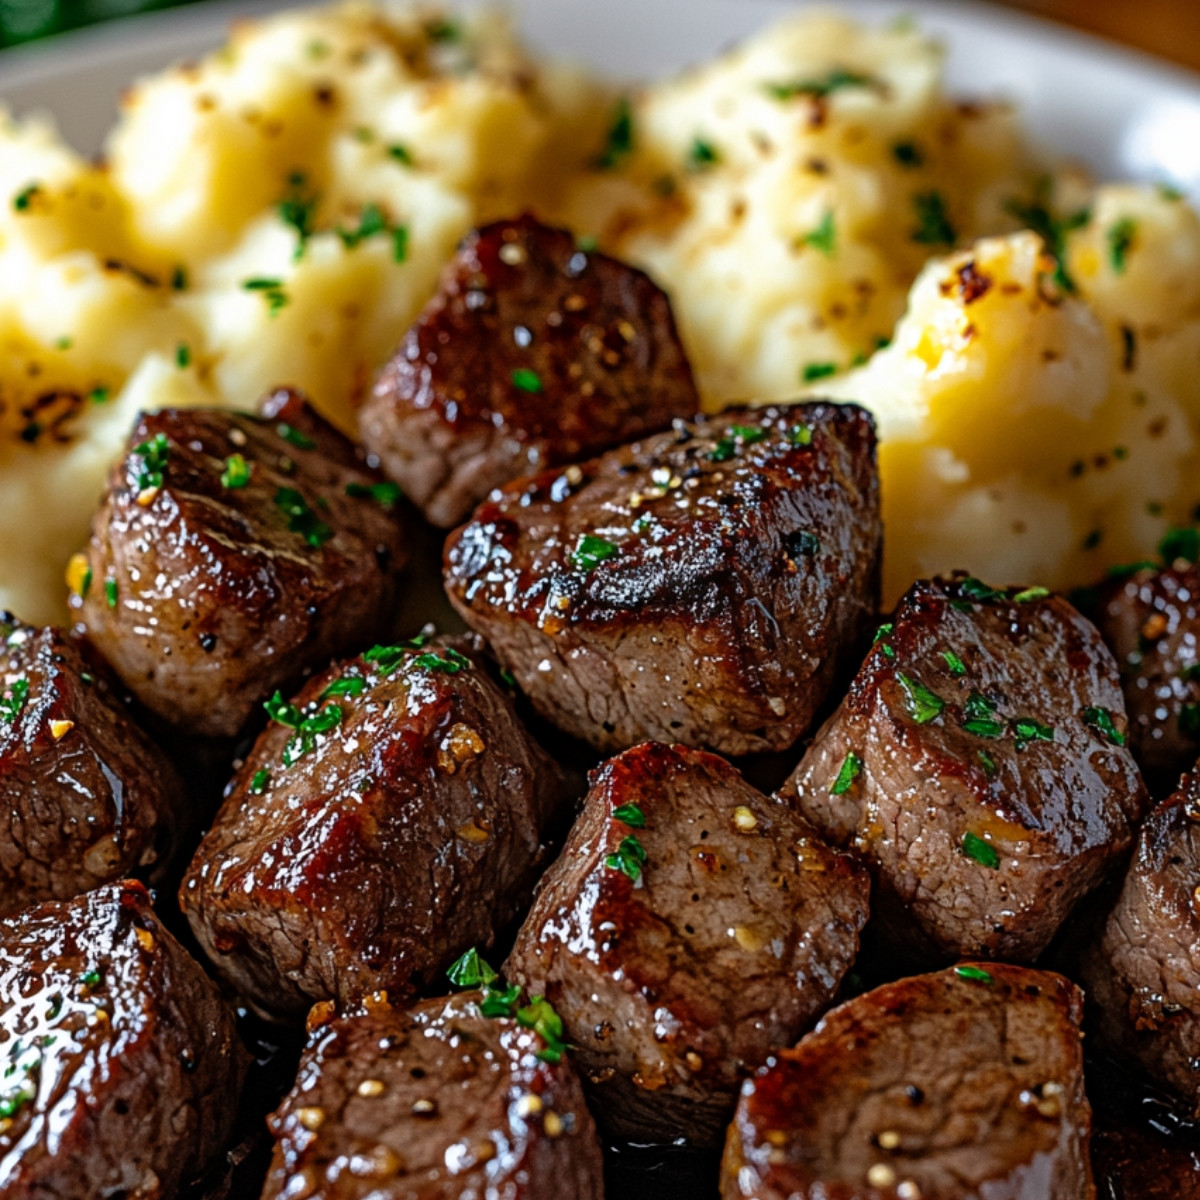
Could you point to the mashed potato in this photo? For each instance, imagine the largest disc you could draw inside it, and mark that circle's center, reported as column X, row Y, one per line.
column 824, row 216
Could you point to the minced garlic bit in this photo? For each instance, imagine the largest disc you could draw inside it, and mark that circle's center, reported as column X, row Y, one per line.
column 60, row 729
column 145, row 939
column 371, row 1088
column 311, row 1118
column 744, row 820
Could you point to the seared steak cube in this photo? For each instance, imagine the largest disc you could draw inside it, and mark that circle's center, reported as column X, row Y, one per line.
column 703, row 586
column 1151, row 621
column 386, row 821
column 231, row 555
column 88, row 797
column 691, row 926
column 532, row 353
column 980, row 764
column 122, row 1066
column 968, row 1083
column 429, row 1104
column 1143, row 975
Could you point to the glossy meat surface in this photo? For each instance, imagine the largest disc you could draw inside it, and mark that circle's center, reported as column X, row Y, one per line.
column 939, row 1087
column 367, row 849
column 979, row 764
column 1152, row 623
column 733, row 937
column 122, row 1064
column 1143, row 976
column 88, row 798
column 214, row 581
column 532, row 353
column 436, row 1103
column 702, row 586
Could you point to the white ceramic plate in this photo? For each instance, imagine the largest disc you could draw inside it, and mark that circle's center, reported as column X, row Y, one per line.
column 1126, row 115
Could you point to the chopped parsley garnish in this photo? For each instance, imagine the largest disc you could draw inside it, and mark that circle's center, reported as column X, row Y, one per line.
column 297, row 210
column 800, row 435
column 183, row 356
column 984, row 727
column 526, row 380
column 1180, row 543
column 1101, row 720
column 401, row 155
column 984, row 853
column 236, row 474
column 702, row 155
column 443, row 30
column 813, row 371
column 539, row 1015
column 923, row 705
column 978, row 705
column 471, row 971
column 987, row 762
column 387, row 659
column 1027, row 730
column 348, row 685
column 371, row 222
column 1033, row 593
column 111, row 592
column 500, row 1002
column 976, row 589
column 592, row 551
column 23, row 200
column 933, row 221
column 16, row 1100
column 619, row 144
column 301, row 518
column 885, row 630
column 99, row 395
column 154, row 455
column 1053, row 231
column 272, row 291
column 447, row 660
column 294, row 436
column 1120, row 239
column 824, row 237
column 387, row 493
column 179, row 279
column 259, row 781
column 631, row 815
column 837, row 80
column 400, row 244
column 725, row 447
column 974, row 974
column 907, row 154
column 11, row 705
column 850, row 770
column 306, row 728
column 629, row 858
column 91, row 980
column 956, row 665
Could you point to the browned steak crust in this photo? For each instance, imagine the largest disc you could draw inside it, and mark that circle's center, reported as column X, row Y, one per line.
column 979, row 764
column 88, row 797
column 733, row 937
column 214, row 581
column 436, row 1103
column 406, row 829
column 941, row 1087
column 702, row 586
column 532, row 353
column 122, row 1065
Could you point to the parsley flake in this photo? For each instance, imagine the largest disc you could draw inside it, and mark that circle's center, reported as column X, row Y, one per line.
column 295, row 437
column 933, row 221
column 1180, row 543
column 923, row 705
column 702, row 155
column 838, row 79
column 629, row 858
column 471, row 971
column 236, row 474
column 301, row 518
column 386, row 493
column 306, row 728
column 800, row 435
column 259, row 781
column 974, row 974
column 956, row 665
column 448, row 660
column 631, row 815
column 1053, row 231
column 14, row 702
column 1101, row 720
column 850, row 770
column 297, row 210
column 1027, row 730
column 111, row 592
column 813, row 371
column 540, row 1016
column 619, row 143
column 154, row 455
column 526, row 380
column 824, row 237
column 984, row 853
column 1120, row 237
column 348, row 685
column 592, row 551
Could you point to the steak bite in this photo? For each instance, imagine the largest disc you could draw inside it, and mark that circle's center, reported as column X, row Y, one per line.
column 232, row 554
column 430, row 1104
column 532, row 353
column 979, row 764
column 691, row 926
column 1151, row 621
column 1143, row 975
column 964, row 1085
column 703, row 586
column 88, row 797
column 122, row 1065
column 384, row 822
